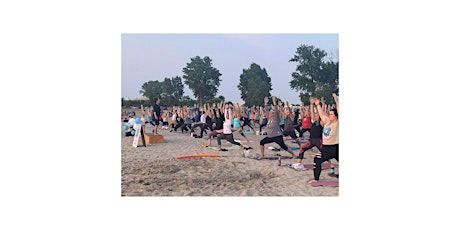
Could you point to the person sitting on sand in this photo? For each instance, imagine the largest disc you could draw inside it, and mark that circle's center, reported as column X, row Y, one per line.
column 274, row 133
column 330, row 147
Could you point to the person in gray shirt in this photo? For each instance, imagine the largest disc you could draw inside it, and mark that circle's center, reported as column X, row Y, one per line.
column 274, row 133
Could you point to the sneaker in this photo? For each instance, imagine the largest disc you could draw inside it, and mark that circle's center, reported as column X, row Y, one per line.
column 333, row 175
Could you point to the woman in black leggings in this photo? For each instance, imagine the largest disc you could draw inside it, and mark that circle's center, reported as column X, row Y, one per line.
column 330, row 148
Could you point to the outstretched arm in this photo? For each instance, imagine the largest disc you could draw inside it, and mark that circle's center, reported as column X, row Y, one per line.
column 321, row 113
column 336, row 102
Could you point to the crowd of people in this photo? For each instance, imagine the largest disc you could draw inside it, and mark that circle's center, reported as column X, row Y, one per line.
column 316, row 123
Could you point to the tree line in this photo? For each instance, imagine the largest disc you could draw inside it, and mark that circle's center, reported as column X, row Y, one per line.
column 314, row 76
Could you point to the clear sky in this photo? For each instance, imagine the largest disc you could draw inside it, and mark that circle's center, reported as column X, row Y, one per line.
column 148, row 57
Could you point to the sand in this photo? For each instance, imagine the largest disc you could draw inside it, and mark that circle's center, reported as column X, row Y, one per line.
column 154, row 170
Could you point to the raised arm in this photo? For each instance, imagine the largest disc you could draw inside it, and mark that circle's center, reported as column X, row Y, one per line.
column 277, row 113
column 336, row 102
column 321, row 113
column 312, row 110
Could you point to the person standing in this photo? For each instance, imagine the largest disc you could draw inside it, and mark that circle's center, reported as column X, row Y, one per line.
column 274, row 133
column 227, row 132
column 330, row 149
column 156, row 114
column 289, row 124
column 316, row 132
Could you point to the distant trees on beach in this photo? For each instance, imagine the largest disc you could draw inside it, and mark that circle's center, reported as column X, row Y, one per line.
column 203, row 79
column 255, row 84
column 314, row 76
column 170, row 91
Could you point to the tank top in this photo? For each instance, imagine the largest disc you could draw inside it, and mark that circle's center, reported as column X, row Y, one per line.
column 236, row 123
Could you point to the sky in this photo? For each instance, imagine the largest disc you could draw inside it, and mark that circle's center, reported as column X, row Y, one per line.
column 154, row 56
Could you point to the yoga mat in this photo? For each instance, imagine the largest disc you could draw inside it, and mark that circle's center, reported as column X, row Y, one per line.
column 225, row 147
column 310, row 166
column 273, row 158
column 197, row 155
column 243, row 141
column 326, row 183
column 279, row 149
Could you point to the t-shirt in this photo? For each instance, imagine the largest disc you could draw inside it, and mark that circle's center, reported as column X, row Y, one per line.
column 306, row 122
column 330, row 132
column 156, row 110
column 203, row 118
column 288, row 124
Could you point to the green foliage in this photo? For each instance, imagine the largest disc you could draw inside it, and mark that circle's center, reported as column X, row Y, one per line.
column 170, row 91
column 314, row 77
column 187, row 101
column 255, row 84
column 152, row 90
column 173, row 90
column 203, row 79
column 215, row 100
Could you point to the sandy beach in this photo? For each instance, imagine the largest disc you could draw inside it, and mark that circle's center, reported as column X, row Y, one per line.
column 154, row 170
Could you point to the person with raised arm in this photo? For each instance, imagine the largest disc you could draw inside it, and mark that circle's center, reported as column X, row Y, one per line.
column 274, row 133
column 306, row 120
column 219, row 127
column 330, row 148
column 316, row 133
column 289, row 129
column 237, row 122
column 227, row 133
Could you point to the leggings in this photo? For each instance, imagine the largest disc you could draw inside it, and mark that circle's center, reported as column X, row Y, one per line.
column 308, row 145
column 278, row 139
column 263, row 123
column 228, row 137
column 247, row 125
column 303, row 131
column 214, row 133
column 327, row 152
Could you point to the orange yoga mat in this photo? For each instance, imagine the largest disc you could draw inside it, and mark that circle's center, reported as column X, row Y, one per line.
column 198, row 155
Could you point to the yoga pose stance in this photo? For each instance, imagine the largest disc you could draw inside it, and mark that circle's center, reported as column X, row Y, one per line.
column 330, row 147
column 274, row 133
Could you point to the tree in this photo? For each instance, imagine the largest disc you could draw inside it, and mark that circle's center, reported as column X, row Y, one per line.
column 186, row 100
column 173, row 90
column 314, row 76
column 255, row 84
column 152, row 90
column 203, row 79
